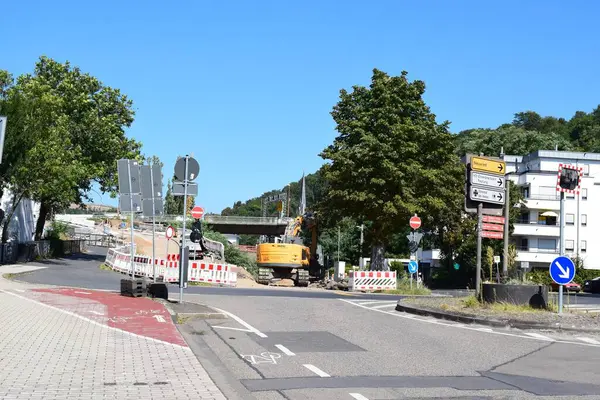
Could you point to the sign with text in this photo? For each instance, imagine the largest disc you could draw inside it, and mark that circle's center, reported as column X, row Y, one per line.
column 487, row 195
column 488, row 165
column 493, row 227
column 487, row 180
column 493, row 220
column 492, row 235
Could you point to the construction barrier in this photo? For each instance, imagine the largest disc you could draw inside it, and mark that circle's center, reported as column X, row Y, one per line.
column 372, row 280
column 119, row 259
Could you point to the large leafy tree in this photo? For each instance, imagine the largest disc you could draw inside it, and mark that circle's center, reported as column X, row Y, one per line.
column 390, row 160
column 71, row 127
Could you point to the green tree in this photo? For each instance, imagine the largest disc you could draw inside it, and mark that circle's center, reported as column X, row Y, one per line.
column 69, row 129
column 390, row 160
column 174, row 204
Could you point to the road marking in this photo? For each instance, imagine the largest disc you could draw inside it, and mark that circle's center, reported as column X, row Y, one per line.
column 364, row 303
column 96, row 312
column 94, row 322
column 538, row 336
column 342, row 293
column 20, row 290
column 264, row 358
column 386, row 305
column 285, row 350
column 358, row 396
column 461, row 326
column 316, row 370
column 232, row 328
column 83, row 292
column 485, row 329
column 589, row 340
column 242, row 322
column 159, row 318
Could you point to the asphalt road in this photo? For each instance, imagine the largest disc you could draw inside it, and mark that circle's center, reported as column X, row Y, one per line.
column 321, row 345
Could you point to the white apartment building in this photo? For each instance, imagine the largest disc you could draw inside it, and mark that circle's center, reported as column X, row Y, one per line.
column 536, row 234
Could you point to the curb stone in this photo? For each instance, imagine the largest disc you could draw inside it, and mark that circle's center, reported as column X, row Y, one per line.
column 498, row 323
column 187, row 315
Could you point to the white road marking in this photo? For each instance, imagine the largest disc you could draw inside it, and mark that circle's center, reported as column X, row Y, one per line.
column 485, row 329
column 385, row 305
column 363, row 302
column 461, row 326
column 20, row 290
column 242, row 322
column 96, row 312
column 539, row 336
column 232, row 328
column 285, row 350
column 316, row 370
column 159, row 318
column 358, row 396
column 94, row 322
column 83, row 292
column 589, row 340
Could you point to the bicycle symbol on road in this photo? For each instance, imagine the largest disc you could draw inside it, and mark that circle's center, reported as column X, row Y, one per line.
column 264, row 358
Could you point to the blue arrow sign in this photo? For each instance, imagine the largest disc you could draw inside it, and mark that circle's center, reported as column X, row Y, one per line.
column 412, row 266
column 562, row 270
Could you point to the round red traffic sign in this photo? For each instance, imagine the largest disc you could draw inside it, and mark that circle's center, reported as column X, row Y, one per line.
column 415, row 222
column 197, row 212
column 169, row 232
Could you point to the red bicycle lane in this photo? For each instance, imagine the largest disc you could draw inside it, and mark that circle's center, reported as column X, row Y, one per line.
column 137, row 315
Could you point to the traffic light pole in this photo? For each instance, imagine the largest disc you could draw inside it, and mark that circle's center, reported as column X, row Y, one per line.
column 478, row 267
column 185, row 187
column 561, row 246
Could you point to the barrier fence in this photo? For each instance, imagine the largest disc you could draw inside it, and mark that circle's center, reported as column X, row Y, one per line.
column 167, row 270
column 372, row 280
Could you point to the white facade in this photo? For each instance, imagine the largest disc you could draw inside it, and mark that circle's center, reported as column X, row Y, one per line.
column 537, row 232
column 22, row 224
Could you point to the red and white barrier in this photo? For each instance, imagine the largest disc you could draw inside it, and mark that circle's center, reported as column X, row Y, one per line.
column 372, row 280
column 199, row 271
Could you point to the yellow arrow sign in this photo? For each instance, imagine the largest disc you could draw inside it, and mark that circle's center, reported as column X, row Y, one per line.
column 487, row 165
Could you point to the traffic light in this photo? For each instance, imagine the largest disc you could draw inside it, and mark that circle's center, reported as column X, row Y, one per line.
column 196, row 233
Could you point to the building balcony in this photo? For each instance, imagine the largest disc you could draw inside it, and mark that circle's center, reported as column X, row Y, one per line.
column 534, row 228
column 536, row 255
column 542, row 202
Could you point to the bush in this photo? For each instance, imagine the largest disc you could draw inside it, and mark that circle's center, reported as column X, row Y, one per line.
column 58, row 231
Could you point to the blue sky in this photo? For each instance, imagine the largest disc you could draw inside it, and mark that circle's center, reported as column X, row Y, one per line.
column 247, row 86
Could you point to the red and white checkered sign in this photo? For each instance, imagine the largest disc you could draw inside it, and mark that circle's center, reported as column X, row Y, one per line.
column 573, row 167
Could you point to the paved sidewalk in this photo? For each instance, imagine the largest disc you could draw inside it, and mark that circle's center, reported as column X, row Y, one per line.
column 65, row 343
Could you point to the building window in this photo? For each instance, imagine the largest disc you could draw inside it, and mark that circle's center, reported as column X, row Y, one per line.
column 583, row 219
column 570, row 219
column 584, row 194
column 524, row 244
column 583, row 246
column 586, row 169
column 547, row 244
column 569, row 245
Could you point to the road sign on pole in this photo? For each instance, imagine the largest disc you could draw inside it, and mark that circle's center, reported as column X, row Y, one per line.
column 488, row 180
column 562, row 270
column 197, row 212
column 493, row 220
column 487, row 195
column 415, row 222
column 169, row 232
column 412, row 266
column 487, row 165
column 492, row 234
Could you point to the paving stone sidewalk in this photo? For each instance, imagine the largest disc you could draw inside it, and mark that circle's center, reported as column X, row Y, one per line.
column 50, row 349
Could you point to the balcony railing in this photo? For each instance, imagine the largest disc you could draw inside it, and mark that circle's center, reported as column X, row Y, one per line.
column 536, row 196
column 537, row 250
column 529, row 222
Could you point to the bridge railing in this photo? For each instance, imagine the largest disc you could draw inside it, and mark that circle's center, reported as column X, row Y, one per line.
column 238, row 220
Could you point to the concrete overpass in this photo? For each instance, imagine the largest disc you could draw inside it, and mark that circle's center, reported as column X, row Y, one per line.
column 270, row 226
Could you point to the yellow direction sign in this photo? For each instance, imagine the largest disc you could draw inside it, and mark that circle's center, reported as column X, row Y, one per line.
column 487, row 165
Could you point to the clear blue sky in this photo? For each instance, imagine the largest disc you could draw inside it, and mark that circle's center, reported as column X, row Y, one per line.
column 247, row 86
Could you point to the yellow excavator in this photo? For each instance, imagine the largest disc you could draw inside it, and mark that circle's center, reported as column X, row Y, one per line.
column 291, row 259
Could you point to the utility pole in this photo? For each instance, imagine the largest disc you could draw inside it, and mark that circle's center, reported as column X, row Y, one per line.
column 339, row 240
column 288, row 201
column 360, row 260
column 478, row 268
column 507, row 206
column 561, row 246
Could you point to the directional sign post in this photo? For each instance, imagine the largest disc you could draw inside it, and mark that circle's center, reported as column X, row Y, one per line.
column 562, row 271
column 413, row 267
column 488, row 180
column 487, row 195
column 487, row 165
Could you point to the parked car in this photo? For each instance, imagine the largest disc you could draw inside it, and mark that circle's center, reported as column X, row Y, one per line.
column 592, row 285
column 569, row 287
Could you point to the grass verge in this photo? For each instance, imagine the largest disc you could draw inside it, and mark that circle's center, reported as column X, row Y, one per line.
column 193, row 283
column 404, row 287
column 105, row 267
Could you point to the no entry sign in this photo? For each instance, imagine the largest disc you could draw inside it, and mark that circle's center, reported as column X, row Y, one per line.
column 415, row 222
column 197, row 212
column 169, row 232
